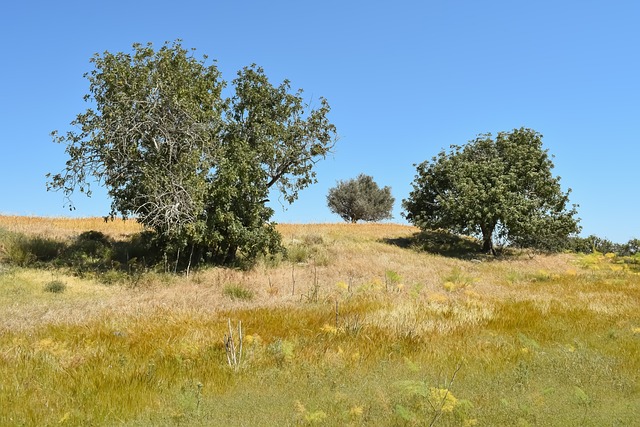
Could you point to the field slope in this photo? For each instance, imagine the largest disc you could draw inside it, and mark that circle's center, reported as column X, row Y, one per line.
column 358, row 325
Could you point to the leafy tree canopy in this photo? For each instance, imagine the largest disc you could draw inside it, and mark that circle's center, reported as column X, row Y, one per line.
column 360, row 199
column 500, row 187
column 191, row 164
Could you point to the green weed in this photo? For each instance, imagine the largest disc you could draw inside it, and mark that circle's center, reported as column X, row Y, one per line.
column 456, row 279
column 237, row 292
column 55, row 287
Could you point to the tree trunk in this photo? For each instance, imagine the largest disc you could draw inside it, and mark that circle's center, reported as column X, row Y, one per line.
column 230, row 257
column 487, row 242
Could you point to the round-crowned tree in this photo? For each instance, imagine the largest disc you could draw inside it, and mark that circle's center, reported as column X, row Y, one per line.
column 360, row 199
column 500, row 187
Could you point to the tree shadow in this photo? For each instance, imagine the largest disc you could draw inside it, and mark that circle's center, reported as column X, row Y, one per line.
column 440, row 243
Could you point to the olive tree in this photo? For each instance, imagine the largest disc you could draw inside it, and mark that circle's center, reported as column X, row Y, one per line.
column 360, row 199
column 190, row 164
column 500, row 187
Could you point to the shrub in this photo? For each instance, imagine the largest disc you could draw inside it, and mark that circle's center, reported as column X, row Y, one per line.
column 298, row 253
column 282, row 351
column 16, row 251
column 603, row 245
column 22, row 250
column 310, row 248
column 237, row 292
column 44, row 249
column 456, row 280
column 55, row 287
column 91, row 244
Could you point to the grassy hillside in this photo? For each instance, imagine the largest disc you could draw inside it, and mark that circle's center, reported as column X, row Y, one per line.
column 358, row 325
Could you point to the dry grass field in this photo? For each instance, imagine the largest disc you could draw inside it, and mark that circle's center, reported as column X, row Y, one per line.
column 356, row 326
column 62, row 228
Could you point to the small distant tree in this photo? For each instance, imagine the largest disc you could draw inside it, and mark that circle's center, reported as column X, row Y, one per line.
column 360, row 199
column 500, row 187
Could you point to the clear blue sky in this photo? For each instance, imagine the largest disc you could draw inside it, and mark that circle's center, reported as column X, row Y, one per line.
column 404, row 79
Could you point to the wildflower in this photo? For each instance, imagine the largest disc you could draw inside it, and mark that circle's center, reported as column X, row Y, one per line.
column 329, row 329
column 315, row 417
column 249, row 339
column 342, row 286
column 442, row 397
column 450, row 286
column 470, row 423
column 376, row 284
column 300, row 407
column 356, row 411
column 636, row 331
column 64, row 418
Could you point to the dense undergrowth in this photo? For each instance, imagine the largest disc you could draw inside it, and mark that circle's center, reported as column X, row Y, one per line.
column 354, row 328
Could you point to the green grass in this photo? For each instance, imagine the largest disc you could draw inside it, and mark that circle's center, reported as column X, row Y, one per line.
column 55, row 286
column 522, row 367
column 237, row 292
column 550, row 341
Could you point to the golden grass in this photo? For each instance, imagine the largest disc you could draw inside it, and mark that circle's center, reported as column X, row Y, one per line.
column 354, row 259
column 550, row 340
column 63, row 227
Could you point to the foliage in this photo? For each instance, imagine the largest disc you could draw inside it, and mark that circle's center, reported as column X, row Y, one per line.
column 237, row 292
column 360, row 199
column 593, row 243
column 494, row 188
column 392, row 277
column 456, row 280
column 282, row 351
column 308, row 249
column 18, row 249
column 193, row 166
column 55, row 287
column 91, row 252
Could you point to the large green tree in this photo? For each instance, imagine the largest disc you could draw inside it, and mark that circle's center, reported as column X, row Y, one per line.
column 494, row 187
column 192, row 165
column 360, row 199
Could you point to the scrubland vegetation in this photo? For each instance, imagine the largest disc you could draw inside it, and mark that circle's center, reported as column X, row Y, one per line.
column 356, row 325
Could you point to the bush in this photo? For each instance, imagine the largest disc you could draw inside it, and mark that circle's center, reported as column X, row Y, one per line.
column 22, row 250
column 603, row 245
column 310, row 249
column 298, row 253
column 44, row 249
column 237, row 292
column 55, row 287
column 92, row 244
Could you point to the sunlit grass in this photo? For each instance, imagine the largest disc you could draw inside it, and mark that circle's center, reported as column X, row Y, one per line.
column 359, row 331
column 63, row 227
